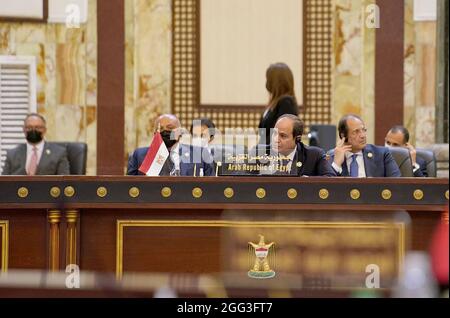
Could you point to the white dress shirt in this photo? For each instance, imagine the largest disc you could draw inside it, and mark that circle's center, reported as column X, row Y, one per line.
column 349, row 159
column 175, row 156
column 40, row 148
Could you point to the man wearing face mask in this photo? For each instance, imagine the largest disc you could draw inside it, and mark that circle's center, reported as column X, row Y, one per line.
column 203, row 131
column 36, row 157
column 183, row 160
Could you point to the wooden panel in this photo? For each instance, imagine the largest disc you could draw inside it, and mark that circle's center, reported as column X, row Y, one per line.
column 111, row 87
column 389, row 75
column 27, row 238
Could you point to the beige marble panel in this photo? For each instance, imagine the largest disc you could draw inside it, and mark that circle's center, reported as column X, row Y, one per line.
column 148, row 54
column 31, row 33
column 409, row 117
column 368, row 78
column 91, row 74
column 91, row 25
column 90, row 137
column 7, row 38
column 425, row 82
column 347, row 62
column 69, row 123
column 71, row 73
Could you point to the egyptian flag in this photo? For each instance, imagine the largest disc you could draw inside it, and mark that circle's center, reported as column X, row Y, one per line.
column 156, row 156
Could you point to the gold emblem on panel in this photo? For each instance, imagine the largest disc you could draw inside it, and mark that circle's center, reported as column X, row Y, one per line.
column 323, row 194
column 133, row 192
column 261, row 268
column 102, row 192
column 166, row 192
column 292, row 193
column 55, row 192
column 69, row 191
column 355, row 194
column 386, row 194
column 22, row 192
column 228, row 193
column 446, row 194
column 261, row 193
column 197, row 193
column 418, row 194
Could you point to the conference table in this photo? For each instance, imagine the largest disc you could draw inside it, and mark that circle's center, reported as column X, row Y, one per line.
column 322, row 229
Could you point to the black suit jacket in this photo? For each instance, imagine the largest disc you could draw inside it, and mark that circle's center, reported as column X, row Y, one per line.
column 311, row 161
column 422, row 171
column 286, row 105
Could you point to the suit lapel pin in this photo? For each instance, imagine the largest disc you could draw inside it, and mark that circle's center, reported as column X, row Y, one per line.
column 48, row 151
column 299, row 164
column 370, row 155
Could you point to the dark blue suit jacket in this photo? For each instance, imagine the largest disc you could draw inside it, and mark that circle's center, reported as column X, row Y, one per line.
column 378, row 162
column 190, row 157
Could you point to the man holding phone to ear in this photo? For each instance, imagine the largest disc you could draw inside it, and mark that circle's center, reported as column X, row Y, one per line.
column 353, row 157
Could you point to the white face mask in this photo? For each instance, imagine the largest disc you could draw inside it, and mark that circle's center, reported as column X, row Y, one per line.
column 386, row 145
column 199, row 142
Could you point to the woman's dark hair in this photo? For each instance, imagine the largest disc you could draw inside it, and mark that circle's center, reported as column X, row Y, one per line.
column 279, row 83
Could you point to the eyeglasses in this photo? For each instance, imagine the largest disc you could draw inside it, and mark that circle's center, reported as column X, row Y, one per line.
column 358, row 132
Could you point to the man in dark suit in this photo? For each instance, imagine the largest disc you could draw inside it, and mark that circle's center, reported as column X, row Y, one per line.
column 398, row 136
column 36, row 157
column 353, row 157
column 299, row 160
column 183, row 160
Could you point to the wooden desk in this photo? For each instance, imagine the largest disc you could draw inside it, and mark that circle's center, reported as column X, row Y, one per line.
column 117, row 224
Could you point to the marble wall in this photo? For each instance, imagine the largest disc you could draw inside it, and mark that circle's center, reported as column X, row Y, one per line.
column 353, row 83
column 148, row 68
column 66, row 62
column 354, row 65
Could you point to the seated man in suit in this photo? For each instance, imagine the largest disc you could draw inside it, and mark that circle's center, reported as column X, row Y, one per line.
column 398, row 136
column 184, row 160
column 355, row 158
column 203, row 131
column 36, row 157
column 301, row 160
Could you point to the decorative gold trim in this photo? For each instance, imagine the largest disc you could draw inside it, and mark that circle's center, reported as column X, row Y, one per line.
column 4, row 226
column 55, row 192
column 102, row 192
column 418, row 194
column 197, row 193
column 355, row 194
column 134, row 192
column 323, row 194
column 22, row 192
column 292, row 193
column 54, row 218
column 386, row 194
column 166, row 192
column 260, row 193
column 228, row 193
column 446, row 194
column 69, row 191
column 72, row 217
column 122, row 224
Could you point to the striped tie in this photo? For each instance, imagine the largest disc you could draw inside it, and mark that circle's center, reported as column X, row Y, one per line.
column 32, row 167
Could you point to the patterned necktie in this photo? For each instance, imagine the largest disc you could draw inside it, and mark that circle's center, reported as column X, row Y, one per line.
column 354, row 167
column 32, row 166
column 167, row 167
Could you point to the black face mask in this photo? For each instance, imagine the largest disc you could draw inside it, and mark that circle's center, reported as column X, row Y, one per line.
column 165, row 134
column 34, row 136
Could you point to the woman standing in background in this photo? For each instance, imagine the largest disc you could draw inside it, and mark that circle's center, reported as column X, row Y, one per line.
column 280, row 84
